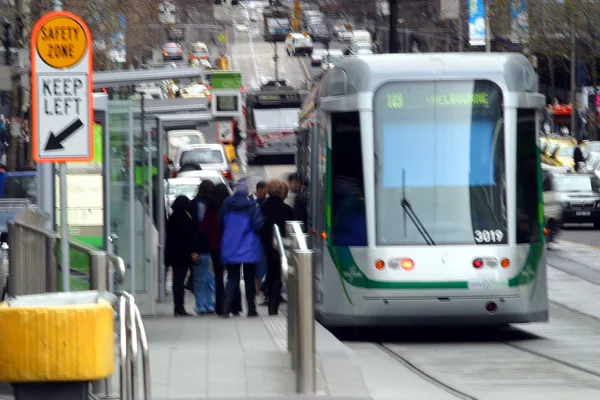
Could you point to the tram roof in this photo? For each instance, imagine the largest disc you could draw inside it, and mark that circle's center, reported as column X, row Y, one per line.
column 366, row 73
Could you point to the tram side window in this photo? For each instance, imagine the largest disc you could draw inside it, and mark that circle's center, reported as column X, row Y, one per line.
column 348, row 225
column 528, row 227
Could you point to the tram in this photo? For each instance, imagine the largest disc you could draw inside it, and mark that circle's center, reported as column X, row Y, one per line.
column 424, row 191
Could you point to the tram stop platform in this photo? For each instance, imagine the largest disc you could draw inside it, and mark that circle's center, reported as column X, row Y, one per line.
column 206, row 357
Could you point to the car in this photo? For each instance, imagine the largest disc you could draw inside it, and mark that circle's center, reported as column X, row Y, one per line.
column 208, row 156
column 330, row 59
column 187, row 185
column 317, row 57
column 198, row 50
column 579, row 195
column 196, row 90
column 172, row 51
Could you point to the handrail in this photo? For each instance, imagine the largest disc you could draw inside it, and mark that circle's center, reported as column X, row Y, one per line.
column 299, row 234
column 145, row 354
column 131, row 327
column 119, row 265
column 123, row 381
column 281, row 250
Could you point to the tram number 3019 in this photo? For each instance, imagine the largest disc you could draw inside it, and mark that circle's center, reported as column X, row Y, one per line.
column 491, row 236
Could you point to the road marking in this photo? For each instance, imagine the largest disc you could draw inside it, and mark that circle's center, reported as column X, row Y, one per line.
column 305, row 69
column 590, row 246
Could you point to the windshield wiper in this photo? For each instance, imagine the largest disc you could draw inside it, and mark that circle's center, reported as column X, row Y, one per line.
column 408, row 210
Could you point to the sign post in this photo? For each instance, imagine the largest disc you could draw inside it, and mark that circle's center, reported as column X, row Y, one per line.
column 61, row 102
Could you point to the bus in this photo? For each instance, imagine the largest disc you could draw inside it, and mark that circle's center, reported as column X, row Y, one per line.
column 271, row 116
column 424, row 191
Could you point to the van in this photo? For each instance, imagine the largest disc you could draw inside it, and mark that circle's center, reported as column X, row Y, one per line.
column 298, row 43
column 180, row 138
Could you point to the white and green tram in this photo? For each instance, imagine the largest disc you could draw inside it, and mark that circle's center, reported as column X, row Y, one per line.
column 425, row 202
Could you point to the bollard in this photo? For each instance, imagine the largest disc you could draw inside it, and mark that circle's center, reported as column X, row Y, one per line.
column 54, row 345
column 305, row 317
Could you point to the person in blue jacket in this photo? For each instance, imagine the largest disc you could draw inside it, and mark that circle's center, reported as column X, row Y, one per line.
column 240, row 220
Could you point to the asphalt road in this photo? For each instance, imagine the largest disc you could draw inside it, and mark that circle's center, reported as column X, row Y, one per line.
column 316, row 71
column 581, row 233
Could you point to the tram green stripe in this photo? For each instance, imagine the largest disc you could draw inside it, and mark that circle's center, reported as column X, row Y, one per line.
column 352, row 274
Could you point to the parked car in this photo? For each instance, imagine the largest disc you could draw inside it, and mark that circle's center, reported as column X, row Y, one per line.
column 208, row 156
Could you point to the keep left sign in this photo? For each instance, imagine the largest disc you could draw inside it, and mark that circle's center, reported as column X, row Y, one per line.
column 61, row 88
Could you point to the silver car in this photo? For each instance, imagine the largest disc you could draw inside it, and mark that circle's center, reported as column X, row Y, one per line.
column 208, row 156
column 172, row 51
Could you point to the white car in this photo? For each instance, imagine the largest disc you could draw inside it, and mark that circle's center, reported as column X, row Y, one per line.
column 187, row 185
column 208, row 156
column 317, row 57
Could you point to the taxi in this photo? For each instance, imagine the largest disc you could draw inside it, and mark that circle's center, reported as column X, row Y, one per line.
column 198, row 50
column 549, row 146
column 196, row 90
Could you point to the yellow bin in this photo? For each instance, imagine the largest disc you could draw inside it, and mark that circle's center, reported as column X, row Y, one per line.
column 56, row 337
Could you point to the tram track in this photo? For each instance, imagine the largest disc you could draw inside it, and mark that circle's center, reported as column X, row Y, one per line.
column 424, row 375
column 479, row 368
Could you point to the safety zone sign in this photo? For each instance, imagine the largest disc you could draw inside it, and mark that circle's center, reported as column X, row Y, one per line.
column 62, row 107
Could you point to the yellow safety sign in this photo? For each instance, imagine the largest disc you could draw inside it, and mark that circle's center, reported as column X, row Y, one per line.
column 61, row 42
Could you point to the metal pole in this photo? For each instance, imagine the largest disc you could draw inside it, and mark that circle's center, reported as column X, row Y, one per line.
column 132, row 249
column 305, row 373
column 393, row 39
column 488, row 33
column 57, row 5
column 64, row 230
column 460, row 33
column 276, row 59
column 160, row 207
column 574, row 114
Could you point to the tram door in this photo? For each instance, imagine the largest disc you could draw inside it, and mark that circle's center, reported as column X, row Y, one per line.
column 131, row 182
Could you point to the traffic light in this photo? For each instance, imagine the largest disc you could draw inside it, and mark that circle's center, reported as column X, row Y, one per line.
column 6, row 41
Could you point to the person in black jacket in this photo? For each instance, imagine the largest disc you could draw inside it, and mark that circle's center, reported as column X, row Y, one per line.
column 180, row 251
column 237, row 138
column 277, row 212
column 578, row 155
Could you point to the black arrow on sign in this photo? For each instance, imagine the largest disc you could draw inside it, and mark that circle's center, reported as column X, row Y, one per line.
column 55, row 141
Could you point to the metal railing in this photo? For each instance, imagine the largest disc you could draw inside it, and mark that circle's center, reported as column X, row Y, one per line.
column 130, row 338
column 34, row 264
column 297, row 274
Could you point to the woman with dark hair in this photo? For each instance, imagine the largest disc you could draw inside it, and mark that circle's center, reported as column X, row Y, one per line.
column 180, row 250
column 210, row 228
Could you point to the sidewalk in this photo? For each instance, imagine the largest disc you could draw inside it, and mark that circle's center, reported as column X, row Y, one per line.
column 212, row 358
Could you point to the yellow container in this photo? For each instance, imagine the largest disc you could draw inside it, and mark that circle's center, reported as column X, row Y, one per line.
column 61, row 343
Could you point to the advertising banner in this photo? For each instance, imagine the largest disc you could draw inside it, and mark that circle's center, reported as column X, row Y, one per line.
column 520, row 20
column 477, row 22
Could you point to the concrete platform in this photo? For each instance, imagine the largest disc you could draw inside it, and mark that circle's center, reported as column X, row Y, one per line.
column 211, row 358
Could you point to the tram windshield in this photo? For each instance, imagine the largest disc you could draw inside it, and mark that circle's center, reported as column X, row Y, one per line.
column 440, row 147
column 276, row 118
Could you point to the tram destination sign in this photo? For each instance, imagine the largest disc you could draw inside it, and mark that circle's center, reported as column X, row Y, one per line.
column 61, row 63
column 270, row 98
column 439, row 95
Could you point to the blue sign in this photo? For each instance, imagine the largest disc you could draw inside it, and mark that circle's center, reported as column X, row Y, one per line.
column 520, row 19
column 477, row 23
